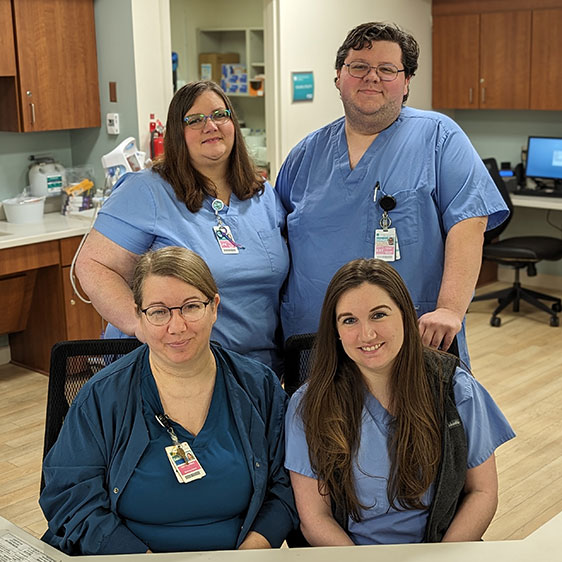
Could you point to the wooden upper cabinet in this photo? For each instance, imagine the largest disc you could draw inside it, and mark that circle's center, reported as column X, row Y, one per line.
column 456, row 61
column 7, row 48
column 505, row 60
column 482, row 61
column 57, row 71
column 546, row 68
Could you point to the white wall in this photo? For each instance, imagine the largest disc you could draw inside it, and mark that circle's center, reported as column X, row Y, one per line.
column 153, row 63
column 307, row 36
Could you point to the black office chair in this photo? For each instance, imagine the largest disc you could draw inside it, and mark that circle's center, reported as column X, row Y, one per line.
column 73, row 363
column 297, row 360
column 518, row 252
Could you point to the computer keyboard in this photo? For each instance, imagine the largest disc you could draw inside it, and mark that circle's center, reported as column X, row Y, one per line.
column 543, row 192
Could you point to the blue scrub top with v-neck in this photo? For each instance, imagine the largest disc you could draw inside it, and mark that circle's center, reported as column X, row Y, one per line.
column 143, row 213
column 204, row 514
column 485, row 426
column 425, row 161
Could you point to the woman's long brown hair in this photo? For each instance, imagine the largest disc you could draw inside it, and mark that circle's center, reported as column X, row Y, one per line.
column 332, row 404
column 175, row 166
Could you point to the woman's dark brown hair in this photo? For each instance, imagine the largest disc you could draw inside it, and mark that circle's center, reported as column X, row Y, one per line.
column 176, row 167
column 332, row 404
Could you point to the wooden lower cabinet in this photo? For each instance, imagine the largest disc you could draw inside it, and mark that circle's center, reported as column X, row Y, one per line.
column 82, row 320
column 55, row 313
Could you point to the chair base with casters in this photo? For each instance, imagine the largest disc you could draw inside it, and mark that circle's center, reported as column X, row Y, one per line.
column 519, row 253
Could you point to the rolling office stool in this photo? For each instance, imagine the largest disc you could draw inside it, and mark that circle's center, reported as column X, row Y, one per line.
column 523, row 252
column 518, row 252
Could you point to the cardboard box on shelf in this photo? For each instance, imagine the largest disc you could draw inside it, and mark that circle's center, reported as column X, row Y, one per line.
column 210, row 64
column 234, row 79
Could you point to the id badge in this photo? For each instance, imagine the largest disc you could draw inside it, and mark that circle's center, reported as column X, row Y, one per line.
column 386, row 244
column 225, row 239
column 184, row 463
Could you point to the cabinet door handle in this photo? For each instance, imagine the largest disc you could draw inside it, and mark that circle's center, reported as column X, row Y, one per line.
column 29, row 93
column 470, row 97
column 483, row 95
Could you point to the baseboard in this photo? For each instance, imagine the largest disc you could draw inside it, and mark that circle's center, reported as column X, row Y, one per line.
column 541, row 280
column 5, row 356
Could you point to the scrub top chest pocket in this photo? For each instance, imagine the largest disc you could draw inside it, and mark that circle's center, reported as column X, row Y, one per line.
column 405, row 215
column 276, row 249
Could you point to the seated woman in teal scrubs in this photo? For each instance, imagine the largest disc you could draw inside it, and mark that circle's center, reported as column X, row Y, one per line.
column 388, row 442
column 178, row 446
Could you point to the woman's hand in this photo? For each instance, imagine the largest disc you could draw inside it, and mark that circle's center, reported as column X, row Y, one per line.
column 317, row 522
column 254, row 541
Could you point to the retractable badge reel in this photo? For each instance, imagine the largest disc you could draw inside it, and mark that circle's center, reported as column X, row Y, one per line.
column 386, row 240
column 222, row 231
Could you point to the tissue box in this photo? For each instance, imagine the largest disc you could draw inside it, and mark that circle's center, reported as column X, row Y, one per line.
column 234, row 79
column 210, row 64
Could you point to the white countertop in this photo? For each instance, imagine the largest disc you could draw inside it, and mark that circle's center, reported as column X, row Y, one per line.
column 54, row 226
column 543, row 545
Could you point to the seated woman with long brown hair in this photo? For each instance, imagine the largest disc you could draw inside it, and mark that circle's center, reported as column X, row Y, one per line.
column 388, row 442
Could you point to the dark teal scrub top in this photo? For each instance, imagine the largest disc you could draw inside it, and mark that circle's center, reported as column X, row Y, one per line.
column 204, row 514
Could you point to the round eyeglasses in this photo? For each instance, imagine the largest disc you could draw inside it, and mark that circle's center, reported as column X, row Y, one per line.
column 387, row 72
column 199, row 120
column 160, row 315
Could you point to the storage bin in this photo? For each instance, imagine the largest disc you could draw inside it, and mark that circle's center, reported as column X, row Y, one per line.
column 24, row 210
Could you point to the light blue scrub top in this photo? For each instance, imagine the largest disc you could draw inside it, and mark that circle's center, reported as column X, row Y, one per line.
column 486, row 429
column 425, row 161
column 204, row 514
column 143, row 213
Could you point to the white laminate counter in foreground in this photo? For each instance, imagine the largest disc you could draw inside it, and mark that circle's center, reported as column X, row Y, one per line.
column 54, row 226
column 542, row 546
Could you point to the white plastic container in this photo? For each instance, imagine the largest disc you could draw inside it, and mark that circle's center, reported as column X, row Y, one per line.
column 24, row 210
column 46, row 178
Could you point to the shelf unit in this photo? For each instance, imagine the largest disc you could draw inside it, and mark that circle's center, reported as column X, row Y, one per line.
column 248, row 42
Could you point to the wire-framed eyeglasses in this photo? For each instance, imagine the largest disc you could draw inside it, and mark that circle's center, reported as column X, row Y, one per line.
column 199, row 120
column 160, row 315
column 387, row 72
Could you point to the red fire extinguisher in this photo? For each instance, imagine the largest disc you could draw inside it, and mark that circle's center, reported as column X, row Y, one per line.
column 156, row 137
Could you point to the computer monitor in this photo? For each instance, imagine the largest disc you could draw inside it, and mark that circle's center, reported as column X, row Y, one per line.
column 544, row 159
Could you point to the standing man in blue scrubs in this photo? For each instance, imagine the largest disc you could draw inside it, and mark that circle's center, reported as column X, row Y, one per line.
column 391, row 182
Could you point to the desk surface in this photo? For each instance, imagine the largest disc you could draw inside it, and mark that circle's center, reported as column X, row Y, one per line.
column 537, row 202
column 544, row 545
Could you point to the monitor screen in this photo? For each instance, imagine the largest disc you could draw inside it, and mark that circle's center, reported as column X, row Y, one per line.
column 544, row 158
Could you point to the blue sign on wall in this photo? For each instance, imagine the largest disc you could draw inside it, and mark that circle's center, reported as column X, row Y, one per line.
column 303, row 86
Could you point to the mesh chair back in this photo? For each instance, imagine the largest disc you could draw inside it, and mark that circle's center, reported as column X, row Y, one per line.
column 297, row 360
column 492, row 167
column 72, row 364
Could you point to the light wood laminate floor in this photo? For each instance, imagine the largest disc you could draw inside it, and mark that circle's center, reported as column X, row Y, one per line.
column 520, row 363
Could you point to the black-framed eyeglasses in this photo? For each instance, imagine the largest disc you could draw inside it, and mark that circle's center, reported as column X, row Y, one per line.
column 199, row 120
column 160, row 315
column 387, row 72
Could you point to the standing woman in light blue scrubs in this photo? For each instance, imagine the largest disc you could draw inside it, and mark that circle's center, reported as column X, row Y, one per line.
column 204, row 194
column 389, row 441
